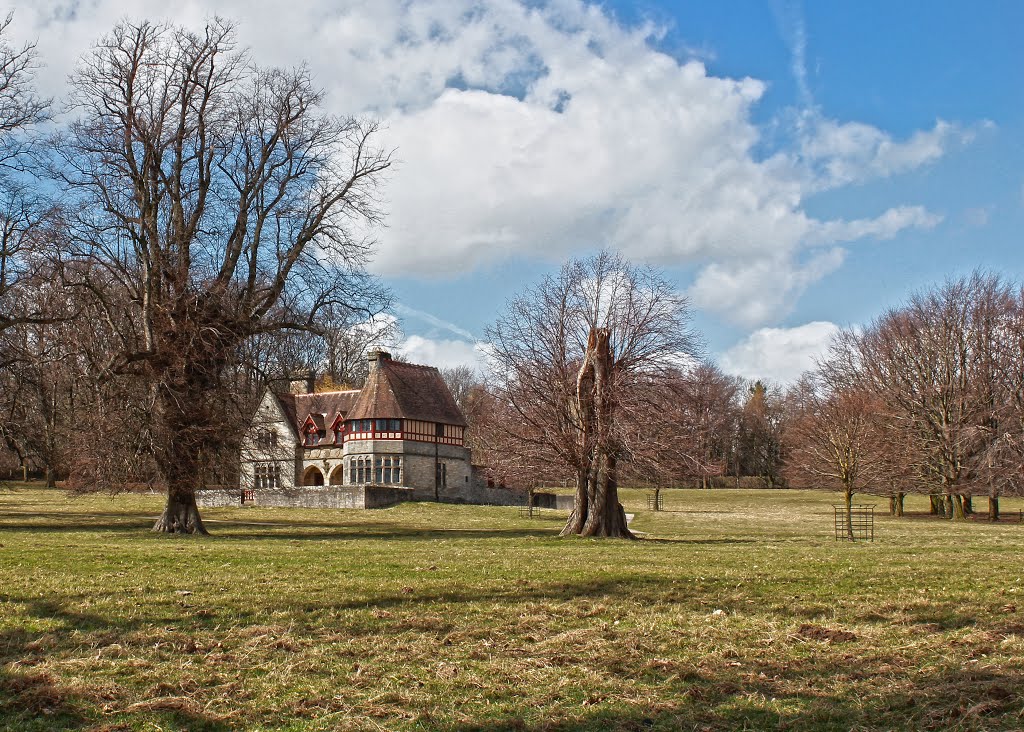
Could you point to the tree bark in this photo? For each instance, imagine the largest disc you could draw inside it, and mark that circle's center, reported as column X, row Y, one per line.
column 181, row 515
column 899, row 504
column 580, row 506
column 848, row 495
column 993, row 508
column 936, row 507
column 600, row 513
column 957, row 502
column 968, row 504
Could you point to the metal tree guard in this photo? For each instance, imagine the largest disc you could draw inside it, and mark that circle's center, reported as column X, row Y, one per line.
column 861, row 522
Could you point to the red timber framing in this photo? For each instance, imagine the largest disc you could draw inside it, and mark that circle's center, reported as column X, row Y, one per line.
column 400, row 429
column 343, row 430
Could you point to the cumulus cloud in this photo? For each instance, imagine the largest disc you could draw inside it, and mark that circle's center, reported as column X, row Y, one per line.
column 443, row 353
column 979, row 216
column 543, row 130
column 779, row 354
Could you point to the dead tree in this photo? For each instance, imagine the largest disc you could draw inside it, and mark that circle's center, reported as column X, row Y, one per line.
column 571, row 359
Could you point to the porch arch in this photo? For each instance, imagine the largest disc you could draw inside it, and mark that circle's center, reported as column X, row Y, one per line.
column 338, row 474
column 312, row 476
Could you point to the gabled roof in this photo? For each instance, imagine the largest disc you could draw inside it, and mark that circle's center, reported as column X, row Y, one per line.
column 328, row 404
column 398, row 390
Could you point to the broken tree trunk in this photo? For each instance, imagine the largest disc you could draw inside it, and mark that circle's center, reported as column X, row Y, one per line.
column 601, row 513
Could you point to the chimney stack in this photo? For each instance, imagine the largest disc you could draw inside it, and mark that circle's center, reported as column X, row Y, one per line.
column 376, row 358
column 302, row 382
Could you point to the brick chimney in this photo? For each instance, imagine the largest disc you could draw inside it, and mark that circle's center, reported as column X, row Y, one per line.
column 376, row 358
column 302, row 382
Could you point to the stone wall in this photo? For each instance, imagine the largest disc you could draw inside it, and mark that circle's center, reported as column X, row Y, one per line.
column 332, row 496
column 481, row 495
column 553, row 500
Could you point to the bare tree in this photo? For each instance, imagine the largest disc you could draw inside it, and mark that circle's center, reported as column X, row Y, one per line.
column 214, row 199
column 931, row 363
column 23, row 213
column 831, row 441
column 569, row 359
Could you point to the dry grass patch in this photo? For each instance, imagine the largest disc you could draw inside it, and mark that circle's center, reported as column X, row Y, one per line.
column 741, row 611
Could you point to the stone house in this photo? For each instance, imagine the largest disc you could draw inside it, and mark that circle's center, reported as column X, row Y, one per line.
column 400, row 437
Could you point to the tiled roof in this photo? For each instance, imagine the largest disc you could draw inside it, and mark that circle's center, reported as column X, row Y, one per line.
column 398, row 390
column 324, row 406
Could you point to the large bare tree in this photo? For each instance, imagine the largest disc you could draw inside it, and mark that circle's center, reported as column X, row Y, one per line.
column 216, row 201
column 23, row 213
column 573, row 359
column 935, row 365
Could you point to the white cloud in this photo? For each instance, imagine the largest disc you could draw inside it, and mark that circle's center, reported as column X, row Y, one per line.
column 432, row 320
column 779, row 354
column 545, row 130
column 839, row 154
column 443, row 353
column 979, row 216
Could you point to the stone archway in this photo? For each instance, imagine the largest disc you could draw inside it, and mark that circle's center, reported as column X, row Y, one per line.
column 338, row 475
column 312, row 476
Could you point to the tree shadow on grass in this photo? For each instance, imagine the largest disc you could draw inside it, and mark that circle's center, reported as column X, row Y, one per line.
column 975, row 700
column 52, row 522
column 34, row 698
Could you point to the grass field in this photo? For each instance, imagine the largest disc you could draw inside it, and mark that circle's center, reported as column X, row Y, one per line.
column 739, row 611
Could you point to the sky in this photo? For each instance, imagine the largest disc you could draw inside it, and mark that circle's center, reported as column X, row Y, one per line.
column 793, row 168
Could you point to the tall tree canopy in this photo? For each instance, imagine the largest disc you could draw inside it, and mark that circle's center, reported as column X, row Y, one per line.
column 209, row 200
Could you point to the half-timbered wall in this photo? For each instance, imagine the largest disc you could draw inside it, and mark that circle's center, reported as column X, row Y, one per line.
column 410, row 429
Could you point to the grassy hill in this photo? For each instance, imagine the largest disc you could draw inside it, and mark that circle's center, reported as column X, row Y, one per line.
column 738, row 611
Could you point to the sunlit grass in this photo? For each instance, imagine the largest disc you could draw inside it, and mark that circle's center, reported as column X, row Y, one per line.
column 737, row 610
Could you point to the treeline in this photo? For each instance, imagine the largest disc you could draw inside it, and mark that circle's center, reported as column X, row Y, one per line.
column 926, row 399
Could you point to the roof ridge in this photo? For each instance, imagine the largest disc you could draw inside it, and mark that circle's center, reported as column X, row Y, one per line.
column 413, row 365
column 327, row 393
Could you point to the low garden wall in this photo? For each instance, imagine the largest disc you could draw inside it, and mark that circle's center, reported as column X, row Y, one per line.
column 330, row 496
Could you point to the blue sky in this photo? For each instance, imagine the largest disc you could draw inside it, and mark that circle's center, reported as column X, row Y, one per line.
column 794, row 167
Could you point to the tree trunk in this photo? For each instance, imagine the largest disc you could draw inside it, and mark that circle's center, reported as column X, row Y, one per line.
column 181, row 515
column 578, row 516
column 936, row 507
column 899, row 504
column 957, row 502
column 597, row 512
column 184, row 417
column 657, row 499
column 607, row 518
column 848, row 495
column 993, row 508
column 892, row 505
column 968, row 505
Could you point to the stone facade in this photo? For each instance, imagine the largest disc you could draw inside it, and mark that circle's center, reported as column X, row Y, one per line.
column 401, row 432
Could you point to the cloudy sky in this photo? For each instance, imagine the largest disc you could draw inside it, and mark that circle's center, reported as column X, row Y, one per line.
column 793, row 167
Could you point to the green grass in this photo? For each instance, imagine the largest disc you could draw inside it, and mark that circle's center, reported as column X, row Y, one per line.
column 738, row 612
